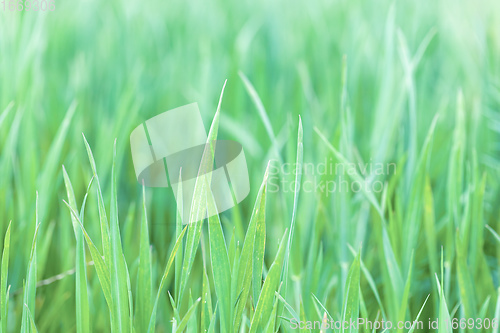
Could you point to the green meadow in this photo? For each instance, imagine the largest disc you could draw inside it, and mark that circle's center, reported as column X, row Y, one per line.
column 371, row 131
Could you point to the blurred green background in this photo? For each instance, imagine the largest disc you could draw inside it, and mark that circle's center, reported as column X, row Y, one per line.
column 103, row 67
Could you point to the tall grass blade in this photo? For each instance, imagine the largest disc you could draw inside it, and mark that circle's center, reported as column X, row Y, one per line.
column 245, row 266
column 198, row 206
column 220, row 265
column 4, row 275
column 82, row 302
column 152, row 320
column 144, row 276
column 118, row 272
column 350, row 308
column 266, row 299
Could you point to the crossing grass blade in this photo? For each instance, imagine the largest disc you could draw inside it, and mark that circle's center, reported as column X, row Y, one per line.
column 178, row 242
column 184, row 322
column 444, row 318
column 290, row 309
column 262, row 114
column 100, row 265
column 82, row 302
column 198, row 206
column 371, row 283
column 103, row 220
column 418, row 315
column 272, row 319
column 244, row 273
column 31, row 320
column 220, row 265
column 177, row 317
column 211, row 327
column 356, row 176
column 265, row 303
column 4, row 295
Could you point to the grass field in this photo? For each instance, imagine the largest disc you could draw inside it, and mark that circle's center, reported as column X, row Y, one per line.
column 372, row 136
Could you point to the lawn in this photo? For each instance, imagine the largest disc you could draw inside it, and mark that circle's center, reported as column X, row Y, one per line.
column 371, row 133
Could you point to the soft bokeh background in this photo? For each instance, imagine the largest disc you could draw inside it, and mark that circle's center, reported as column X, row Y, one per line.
column 103, row 67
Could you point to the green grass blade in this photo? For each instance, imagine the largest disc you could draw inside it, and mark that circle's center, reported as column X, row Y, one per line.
column 178, row 230
column 118, row 272
column 497, row 312
column 31, row 320
column 244, row 272
column 322, row 307
column 288, row 307
column 206, row 302
column 198, row 206
column 355, row 175
column 418, row 315
column 467, row 293
column 266, row 299
column 189, row 314
column 262, row 114
column 3, row 284
column 6, row 112
column 211, row 327
column 429, row 226
column 298, row 178
column 103, row 220
column 82, row 302
column 31, row 279
column 144, row 276
column 152, row 320
column 350, row 308
column 259, row 251
column 220, row 265
column 100, row 265
column 404, row 300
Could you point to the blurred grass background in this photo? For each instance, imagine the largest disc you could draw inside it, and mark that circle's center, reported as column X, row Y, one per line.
column 102, row 68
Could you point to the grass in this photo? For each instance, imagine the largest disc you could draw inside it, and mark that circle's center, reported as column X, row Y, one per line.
column 88, row 249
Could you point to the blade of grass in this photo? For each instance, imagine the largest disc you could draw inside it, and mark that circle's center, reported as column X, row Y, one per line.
column 265, row 303
column 118, row 272
column 100, row 265
column 152, row 320
column 144, row 276
column 298, row 177
column 198, row 206
column 244, row 271
column 350, row 308
column 31, row 277
column 103, row 220
column 220, row 265
column 82, row 302
column 5, row 273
